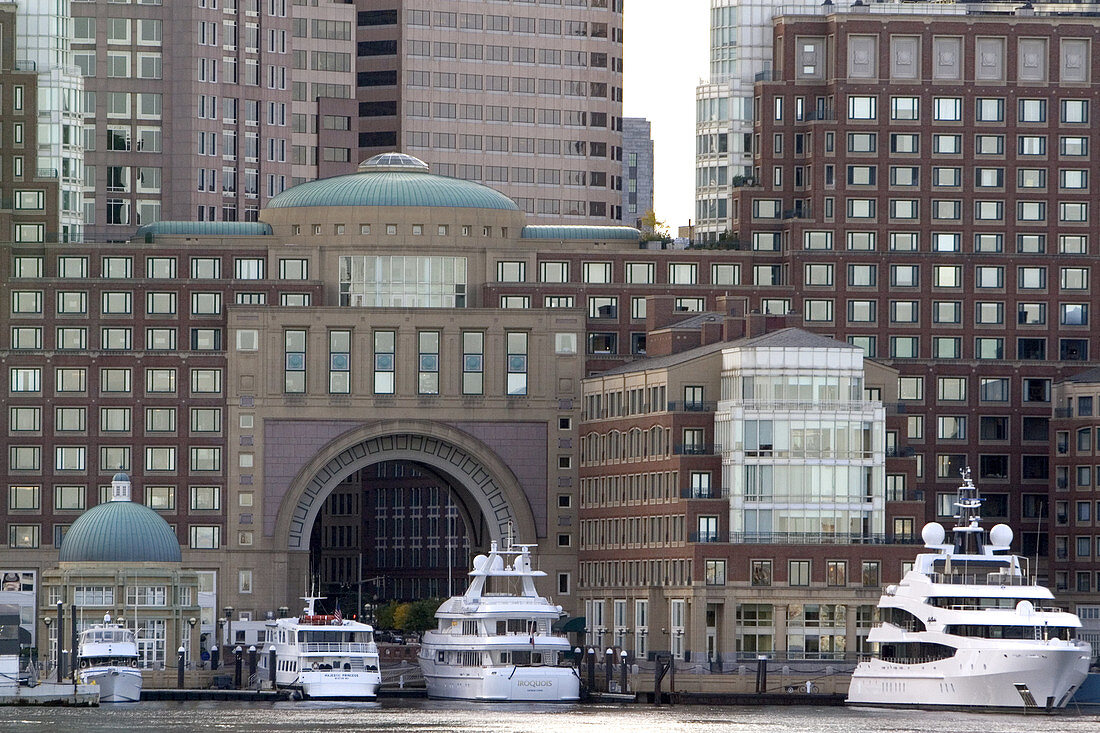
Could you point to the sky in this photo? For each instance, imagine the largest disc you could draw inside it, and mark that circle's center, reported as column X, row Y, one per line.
column 666, row 50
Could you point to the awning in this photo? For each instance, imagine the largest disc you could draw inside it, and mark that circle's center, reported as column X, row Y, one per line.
column 566, row 625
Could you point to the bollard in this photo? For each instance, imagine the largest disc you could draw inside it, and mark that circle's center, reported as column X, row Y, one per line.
column 609, row 666
column 215, row 654
column 251, row 662
column 237, row 652
column 761, row 675
column 591, row 668
column 622, row 684
column 179, row 668
column 271, row 662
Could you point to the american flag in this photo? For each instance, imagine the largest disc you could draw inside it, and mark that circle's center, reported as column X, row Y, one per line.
column 338, row 615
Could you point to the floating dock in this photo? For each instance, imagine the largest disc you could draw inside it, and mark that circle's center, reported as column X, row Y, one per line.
column 51, row 693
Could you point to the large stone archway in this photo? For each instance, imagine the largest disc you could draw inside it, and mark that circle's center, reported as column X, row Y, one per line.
column 478, row 475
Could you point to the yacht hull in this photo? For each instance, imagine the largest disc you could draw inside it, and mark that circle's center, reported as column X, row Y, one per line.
column 116, row 684
column 502, row 684
column 339, row 684
column 1005, row 679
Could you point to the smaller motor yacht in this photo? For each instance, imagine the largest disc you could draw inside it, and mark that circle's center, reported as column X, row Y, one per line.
column 108, row 657
column 322, row 655
column 495, row 642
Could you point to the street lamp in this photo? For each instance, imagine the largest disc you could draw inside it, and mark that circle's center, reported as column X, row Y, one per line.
column 229, row 625
column 47, row 620
column 191, row 638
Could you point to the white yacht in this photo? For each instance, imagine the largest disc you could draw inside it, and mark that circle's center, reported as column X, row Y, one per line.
column 108, row 657
column 495, row 642
column 323, row 655
column 968, row 627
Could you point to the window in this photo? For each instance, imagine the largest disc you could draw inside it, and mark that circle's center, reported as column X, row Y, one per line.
column 798, row 572
column 294, row 368
column 947, row 109
column 760, row 573
column 951, row 389
column 947, row 144
column 205, row 537
column 904, row 108
column 516, row 363
column 862, row 107
column 428, row 363
column 906, row 276
column 989, row 110
column 1032, row 110
column 993, row 389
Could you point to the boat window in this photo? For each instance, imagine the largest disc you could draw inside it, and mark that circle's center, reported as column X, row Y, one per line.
column 441, row 657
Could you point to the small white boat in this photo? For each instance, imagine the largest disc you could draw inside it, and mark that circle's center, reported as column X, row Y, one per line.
column 968, row 627
column 108, row 657
column 496, row 644
column 323, row 655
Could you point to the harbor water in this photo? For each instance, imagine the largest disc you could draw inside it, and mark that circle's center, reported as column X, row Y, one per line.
column 444, row 717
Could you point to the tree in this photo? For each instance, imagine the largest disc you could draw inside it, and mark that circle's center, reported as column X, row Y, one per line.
column 421, row 616
column 652, row 227
column 384, row 616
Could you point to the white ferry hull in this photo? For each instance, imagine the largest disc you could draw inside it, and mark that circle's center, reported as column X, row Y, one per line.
column 339, row 684
column 502, row 684
column 116, row 684
column 1017, row 679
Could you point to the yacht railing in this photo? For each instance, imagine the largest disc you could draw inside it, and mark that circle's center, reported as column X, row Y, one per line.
column 338, row 647
column 1038, row 609
column 978, row 579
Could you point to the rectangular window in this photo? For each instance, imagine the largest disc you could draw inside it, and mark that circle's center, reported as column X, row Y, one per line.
column 798, row 572
column 294, row 360
column 473, row 362
column 516, row 363
column 339, row 362
column 385, row 345
column 428, row 363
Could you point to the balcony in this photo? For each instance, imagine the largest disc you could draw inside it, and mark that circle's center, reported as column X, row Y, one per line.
column 704, row 492
column 692, row 406
column 714, row 536
column 696, row 449
column 820, row 538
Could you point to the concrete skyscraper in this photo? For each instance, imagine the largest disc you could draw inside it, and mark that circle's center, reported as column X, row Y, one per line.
column 524, row 97
column 206, row 110
column 637, row 169
column 740, row 55
column 42, row 104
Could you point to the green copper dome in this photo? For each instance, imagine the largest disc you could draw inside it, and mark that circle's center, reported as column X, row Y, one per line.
column 393, row 179
column 120, row 531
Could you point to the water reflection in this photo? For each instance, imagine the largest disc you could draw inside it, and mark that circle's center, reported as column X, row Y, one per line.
column 423, row 715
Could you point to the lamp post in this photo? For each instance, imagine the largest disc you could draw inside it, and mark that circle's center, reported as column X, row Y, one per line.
column 191, row 641
column 229, row 640
column 60, row 633
column 47, row 620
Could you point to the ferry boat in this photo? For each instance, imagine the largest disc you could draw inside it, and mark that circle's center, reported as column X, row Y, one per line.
column 322, row 655
column 107, row 656
column 969, row 628
column 495, row 643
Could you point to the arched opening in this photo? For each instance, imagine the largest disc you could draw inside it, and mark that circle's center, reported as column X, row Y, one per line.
column 420, row 469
